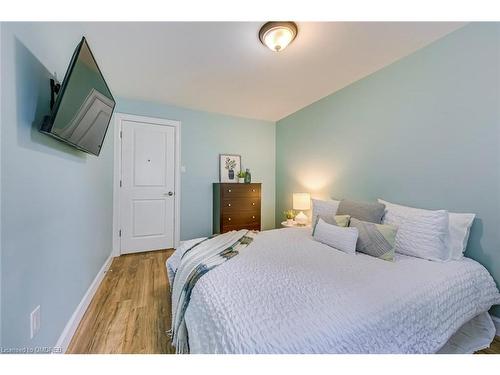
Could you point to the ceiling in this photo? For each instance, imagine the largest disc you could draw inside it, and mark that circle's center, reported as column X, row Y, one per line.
column 222, row 67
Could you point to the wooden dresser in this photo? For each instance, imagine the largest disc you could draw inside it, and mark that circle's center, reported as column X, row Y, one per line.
column 236, row 206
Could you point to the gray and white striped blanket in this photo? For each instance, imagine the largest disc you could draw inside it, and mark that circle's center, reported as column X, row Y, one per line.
column 196, row 261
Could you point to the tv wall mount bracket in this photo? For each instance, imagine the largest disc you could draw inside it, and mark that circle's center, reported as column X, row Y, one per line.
column 54, row 90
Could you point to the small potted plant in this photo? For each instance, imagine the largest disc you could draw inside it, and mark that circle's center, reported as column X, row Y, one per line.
column 241, row 176
column 290, row 215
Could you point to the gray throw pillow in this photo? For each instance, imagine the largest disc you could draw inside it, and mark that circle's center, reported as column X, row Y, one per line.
column 372, row 212
column 376, row 240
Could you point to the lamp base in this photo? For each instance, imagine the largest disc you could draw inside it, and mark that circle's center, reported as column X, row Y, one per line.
column 301, row 218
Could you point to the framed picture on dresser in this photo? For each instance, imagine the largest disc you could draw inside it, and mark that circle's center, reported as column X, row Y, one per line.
column 229, row 166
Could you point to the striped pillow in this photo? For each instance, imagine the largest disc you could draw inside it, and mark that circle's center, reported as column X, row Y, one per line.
column 377, row 240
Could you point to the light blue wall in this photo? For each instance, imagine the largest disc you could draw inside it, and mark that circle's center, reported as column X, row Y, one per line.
column 0, row 186
column 414, row 132
column 56, row 219
column 56, row 201
column 204, row 136
column 424, row 131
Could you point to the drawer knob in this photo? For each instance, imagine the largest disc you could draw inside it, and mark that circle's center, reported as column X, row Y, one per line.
column 229, row 204
column 229, row 190
column 253, row 204
column 253, row 217
column 228, row 219
column 253, row 190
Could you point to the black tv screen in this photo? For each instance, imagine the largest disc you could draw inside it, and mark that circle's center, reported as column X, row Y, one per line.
column 82, row 111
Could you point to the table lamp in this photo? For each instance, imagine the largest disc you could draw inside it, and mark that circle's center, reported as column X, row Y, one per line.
column 301, row 201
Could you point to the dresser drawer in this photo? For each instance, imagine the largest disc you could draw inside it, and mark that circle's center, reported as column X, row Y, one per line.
column 228, row 228
column 240, row 218
column 236, row 204
column 240, row 190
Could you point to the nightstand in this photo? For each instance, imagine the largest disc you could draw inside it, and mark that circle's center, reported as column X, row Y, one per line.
column 284, row 224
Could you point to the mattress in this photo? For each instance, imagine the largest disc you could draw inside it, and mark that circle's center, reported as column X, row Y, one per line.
column 286, row 293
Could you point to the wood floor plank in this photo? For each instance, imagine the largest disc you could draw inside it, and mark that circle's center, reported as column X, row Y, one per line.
column 494, row 347
column 130, row 312
column 96, row 316
column 114, row 336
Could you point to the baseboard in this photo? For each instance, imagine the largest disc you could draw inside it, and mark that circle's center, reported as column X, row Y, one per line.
column 70, row 328
column 496, row 321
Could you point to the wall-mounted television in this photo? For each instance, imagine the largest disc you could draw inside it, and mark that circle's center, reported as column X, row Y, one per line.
column 82, row 110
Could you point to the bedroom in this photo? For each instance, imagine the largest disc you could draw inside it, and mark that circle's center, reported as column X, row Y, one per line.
column 352, row 126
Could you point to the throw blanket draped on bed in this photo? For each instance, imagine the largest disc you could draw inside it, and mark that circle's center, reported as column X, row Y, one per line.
column 195, row 262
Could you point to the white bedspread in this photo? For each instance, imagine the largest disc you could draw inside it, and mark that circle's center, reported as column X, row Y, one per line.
column 286, row 293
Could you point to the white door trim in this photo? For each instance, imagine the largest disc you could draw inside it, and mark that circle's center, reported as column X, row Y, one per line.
column 117, row 124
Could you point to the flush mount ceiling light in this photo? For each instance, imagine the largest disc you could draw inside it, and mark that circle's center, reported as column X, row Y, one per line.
column 277, row 35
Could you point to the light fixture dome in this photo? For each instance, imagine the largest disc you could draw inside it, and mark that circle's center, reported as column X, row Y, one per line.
column 277, row 35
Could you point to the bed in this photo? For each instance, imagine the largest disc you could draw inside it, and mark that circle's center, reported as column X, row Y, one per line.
column 287, row 293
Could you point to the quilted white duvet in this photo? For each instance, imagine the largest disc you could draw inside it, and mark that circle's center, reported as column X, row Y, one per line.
column 286, row 293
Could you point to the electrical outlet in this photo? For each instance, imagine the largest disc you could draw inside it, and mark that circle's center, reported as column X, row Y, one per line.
column 35, row 321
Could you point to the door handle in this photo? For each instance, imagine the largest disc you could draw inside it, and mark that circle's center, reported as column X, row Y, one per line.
column 170, row 193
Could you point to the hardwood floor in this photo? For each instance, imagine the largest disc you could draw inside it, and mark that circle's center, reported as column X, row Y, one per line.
column 130, row 312
column 494, row 347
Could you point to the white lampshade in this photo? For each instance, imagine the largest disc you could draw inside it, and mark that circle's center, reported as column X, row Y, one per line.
column 301, row 201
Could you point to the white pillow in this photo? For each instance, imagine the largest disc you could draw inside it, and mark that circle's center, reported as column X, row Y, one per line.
column 343, row 239
column 324, row 208
column 421, row 233
column 458, row 227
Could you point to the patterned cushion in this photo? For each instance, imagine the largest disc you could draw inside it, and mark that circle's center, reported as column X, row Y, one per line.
column 375, row 239
column 372, row 212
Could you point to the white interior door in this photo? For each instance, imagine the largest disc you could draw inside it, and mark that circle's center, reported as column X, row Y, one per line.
column 147, row 193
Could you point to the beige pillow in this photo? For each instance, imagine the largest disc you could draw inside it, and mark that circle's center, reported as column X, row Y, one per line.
column 342, row 220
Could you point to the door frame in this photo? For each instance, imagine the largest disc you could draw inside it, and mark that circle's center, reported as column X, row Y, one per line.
column 116, row 120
